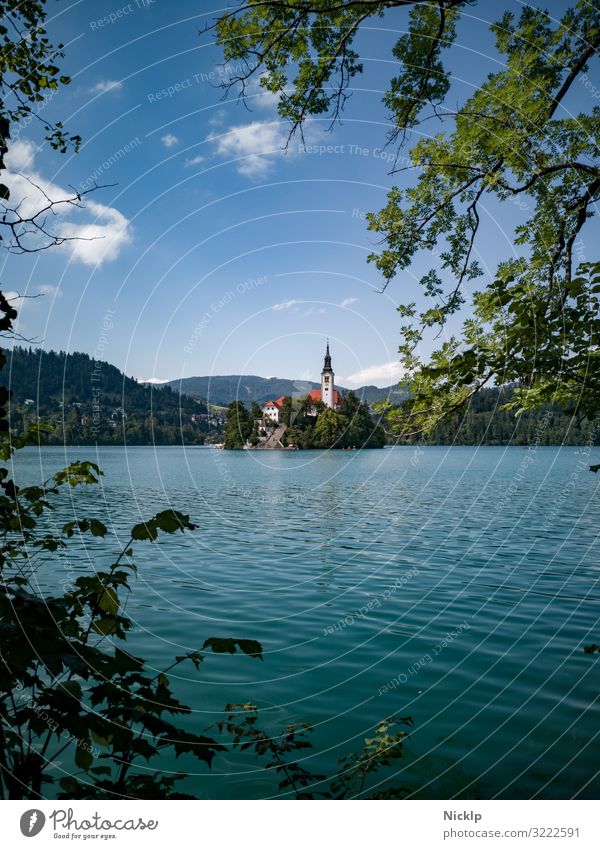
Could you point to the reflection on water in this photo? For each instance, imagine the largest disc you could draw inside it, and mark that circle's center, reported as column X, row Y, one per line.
column 353, row 569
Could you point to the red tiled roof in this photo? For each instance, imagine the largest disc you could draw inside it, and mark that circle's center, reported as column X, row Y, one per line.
column 278, row 403
column 315, row 395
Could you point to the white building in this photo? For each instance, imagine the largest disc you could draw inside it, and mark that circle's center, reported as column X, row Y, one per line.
column 328, row 394
column 272, row 410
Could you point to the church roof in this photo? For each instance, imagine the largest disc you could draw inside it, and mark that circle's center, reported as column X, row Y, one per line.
column 278, row 403
column 315, row 395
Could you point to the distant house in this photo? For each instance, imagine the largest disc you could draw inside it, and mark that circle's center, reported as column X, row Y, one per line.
column 273, row 410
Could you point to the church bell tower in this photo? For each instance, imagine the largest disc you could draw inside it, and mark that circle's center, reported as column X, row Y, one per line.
column 327, row 378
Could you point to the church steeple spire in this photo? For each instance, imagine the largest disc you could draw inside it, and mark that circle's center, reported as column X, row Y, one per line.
column 327, row 381
column 327, row 361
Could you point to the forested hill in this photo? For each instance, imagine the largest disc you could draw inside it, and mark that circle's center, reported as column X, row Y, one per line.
column 225, row 389
column 87, row 401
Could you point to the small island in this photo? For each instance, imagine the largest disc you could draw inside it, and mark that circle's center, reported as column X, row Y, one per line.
column 324, row 418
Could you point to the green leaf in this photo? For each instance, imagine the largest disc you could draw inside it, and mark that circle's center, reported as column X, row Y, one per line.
column 168, row 521
column 127, row 662
column 227, row 645
column 220, row 645
column 106, row 626
column 101, row 770
column 101, row 741
column 108, row 600
column 83, row 756
column 144, row 531
column 251, row 647
column 142, row 747
column 72, row 688
column 79, row 472
column 97, row 528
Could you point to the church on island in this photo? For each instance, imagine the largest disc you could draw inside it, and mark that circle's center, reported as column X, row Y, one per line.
column 322, row 418
column 328, row 395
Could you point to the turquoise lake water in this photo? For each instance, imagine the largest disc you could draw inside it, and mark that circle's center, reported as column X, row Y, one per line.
column 454, row 585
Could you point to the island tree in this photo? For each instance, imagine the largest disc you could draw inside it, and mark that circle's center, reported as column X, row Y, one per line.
column 238, row 426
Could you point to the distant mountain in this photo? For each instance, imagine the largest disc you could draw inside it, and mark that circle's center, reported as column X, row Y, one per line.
column 223, row 389
column 374, row 394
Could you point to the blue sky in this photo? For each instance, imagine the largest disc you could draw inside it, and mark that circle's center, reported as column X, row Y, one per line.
column 218, row 253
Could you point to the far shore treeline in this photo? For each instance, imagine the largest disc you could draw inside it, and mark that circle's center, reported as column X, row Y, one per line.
column 87, row 402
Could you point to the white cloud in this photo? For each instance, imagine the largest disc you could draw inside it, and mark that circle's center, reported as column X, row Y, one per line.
column 218, row 119
column 31, row 298
column 379, row 375
column 254, row 145
column 285, row 305
column 195, row 160
column 20, row 155
column 169, row 140
column 106, row 85
column 106, row 235
column 94, row 234
column 49, row 289
column 347, row 301
column 153, row 380
column 315, row 311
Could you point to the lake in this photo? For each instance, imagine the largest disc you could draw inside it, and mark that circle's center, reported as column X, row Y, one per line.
column 455, row 585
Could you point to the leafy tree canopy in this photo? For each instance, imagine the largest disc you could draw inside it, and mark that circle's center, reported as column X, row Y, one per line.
column 535, row 321
column 29, row 70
